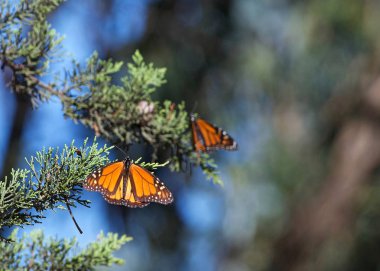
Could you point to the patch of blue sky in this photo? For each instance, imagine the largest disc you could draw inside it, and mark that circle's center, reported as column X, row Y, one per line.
column 125, row 23
column 201, row 254
column 202, row 210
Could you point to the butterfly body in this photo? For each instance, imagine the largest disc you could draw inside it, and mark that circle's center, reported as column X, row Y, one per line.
column 125, row 183
column 208, row 137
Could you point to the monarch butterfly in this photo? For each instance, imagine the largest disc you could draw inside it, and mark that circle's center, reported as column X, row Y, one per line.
column 125, row 183
column 208, row 137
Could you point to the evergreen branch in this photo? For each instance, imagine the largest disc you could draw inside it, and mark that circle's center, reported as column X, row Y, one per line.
column 28, row 44
column 100, row 252
column 44, row 89
column 123, row 113
column 34, row 252
column 53, row 178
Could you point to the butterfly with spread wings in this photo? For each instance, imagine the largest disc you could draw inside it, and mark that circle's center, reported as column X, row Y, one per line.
column 208, row 137
column 125, row 183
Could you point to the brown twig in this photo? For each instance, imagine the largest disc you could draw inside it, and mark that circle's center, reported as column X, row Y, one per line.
column 71, row 214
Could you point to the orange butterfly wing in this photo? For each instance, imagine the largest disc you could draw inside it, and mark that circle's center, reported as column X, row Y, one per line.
column 106, row 179
column 124, row 183
column 208, row 137
column 147, row 187
column 197, row 139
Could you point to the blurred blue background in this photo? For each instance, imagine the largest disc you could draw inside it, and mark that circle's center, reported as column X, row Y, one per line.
column 284, row 78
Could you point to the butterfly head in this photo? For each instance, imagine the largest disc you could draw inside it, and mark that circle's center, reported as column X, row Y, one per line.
column 193, row 116
column 127, row 162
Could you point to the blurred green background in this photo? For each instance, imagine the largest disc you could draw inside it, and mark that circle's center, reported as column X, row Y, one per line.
column 294, row 82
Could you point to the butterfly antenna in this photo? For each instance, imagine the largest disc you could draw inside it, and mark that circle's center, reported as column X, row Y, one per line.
column 120, row 149
column 71, row 214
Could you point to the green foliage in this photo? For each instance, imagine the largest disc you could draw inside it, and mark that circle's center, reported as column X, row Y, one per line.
column 121, row 113
column 34, row 252
column 52, row 178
